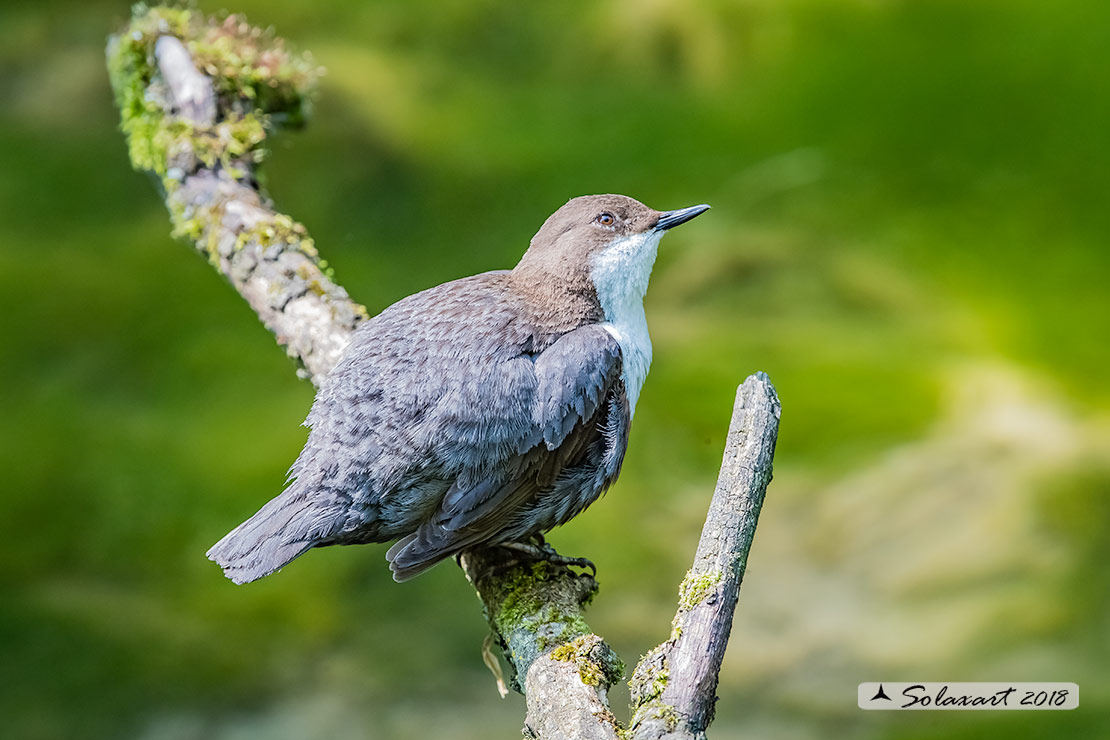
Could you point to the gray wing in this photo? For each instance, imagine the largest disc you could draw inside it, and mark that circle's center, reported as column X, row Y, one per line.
column 572, row 451
column 437, row 386
column 447, row 415
column 447, row 423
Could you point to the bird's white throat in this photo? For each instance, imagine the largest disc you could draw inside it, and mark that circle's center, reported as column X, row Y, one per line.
column 620, row 273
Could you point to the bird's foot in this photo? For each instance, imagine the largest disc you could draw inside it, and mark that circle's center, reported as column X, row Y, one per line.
column 544, row 551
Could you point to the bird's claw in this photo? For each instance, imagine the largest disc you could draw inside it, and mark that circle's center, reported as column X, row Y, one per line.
column 580, row 563
column 544, row 551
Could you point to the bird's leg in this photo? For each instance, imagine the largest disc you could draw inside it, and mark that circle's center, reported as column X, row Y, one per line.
column 543, row 551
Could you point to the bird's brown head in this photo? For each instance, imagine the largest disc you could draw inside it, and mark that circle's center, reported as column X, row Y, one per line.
column 597, row 243
column 587, row 223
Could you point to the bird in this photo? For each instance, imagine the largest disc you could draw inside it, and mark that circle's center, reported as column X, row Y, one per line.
column 484, row 411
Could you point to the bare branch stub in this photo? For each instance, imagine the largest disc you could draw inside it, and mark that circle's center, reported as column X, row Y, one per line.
column 674, row 686
column 191, row 92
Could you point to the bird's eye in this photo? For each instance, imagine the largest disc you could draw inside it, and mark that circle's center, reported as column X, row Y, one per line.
column 605, row 219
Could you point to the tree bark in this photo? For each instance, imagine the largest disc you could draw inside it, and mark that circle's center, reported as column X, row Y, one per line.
column 198, row 99
column 535, row 611
column 203, row 138
column 674, row 686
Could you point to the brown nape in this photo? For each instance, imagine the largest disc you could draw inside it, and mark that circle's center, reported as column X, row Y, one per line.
column 555, row 271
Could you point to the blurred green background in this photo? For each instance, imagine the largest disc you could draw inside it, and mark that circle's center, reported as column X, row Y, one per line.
column 910, row 234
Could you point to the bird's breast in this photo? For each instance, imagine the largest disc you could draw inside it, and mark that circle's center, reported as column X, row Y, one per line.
column 620, row 275
column 631, row 332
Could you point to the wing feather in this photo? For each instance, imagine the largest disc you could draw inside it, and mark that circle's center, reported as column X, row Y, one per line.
column 573, row 378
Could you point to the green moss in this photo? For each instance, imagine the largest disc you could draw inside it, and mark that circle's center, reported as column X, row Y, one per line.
column 311, row 276
column 659, row 683
column 131, row 68
column 616, row 667
column 257, row 80
column 536, row 606
column 657, row 709
column 564, row 652
column 258, row 83
column 647, row 687
column 694, row 588
column 280, row 230
column 193, row 223
column 642, row 681
column 254, row 64
column 583, row 651
column 589, row 672
column 520, row 606
column 233, row 139
column 524, row 603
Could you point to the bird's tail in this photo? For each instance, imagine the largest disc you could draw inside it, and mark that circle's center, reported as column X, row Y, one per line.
column 267, row 541
column 407, row 560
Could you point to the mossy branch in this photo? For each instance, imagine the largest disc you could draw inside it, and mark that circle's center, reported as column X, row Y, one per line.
column 536, row 614
column 198, row 99
column 674, row 688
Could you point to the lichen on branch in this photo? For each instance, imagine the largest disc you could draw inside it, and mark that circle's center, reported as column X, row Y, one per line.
column 258, row 81
column 198, row 98
column 533, row 607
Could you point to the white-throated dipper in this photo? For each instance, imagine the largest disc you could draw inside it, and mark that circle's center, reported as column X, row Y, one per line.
column 483, row 411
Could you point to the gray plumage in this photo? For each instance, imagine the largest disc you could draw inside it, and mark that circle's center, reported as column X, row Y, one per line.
column 477, row 412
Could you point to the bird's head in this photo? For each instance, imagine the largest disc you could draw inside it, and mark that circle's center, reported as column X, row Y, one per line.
column 610, row 240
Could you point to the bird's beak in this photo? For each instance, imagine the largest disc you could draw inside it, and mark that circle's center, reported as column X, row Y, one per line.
column 670, row 219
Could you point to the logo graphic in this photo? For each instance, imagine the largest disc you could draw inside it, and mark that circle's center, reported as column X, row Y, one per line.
column 880, row 694
column 897, row 695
